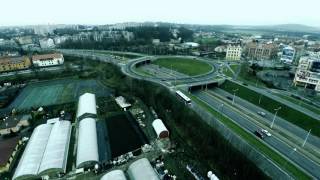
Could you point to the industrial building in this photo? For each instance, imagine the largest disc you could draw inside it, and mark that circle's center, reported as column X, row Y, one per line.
column 308, row 73
column 114, row 175
column 87, row 106
column 142, row 170
column 46, row 152
column 160, row 129
column 46, row 60
column 87, row 146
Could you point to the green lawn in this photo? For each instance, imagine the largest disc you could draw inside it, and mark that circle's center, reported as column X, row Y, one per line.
column 296, row 117
column 300, row 103
column 252, row 140
column 186, row 66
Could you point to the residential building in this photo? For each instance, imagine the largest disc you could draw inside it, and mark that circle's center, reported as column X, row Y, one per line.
column 287, row 55
column 261, row 51
column 45, row 60
column 14, row 63
column 308, row 73
column 233, row 52
column 8, row 149
column 14, row 124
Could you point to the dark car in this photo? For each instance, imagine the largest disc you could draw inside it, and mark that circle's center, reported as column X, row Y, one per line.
column 259, row 134
column 230, row 98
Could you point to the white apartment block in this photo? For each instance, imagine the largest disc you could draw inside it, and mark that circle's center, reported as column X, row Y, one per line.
column 308, row 73
column 233, row 52
column 47, row 60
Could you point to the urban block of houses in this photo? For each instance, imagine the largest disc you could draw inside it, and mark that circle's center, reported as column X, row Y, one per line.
column 233, row 52
column 45, row 60
column 14, row 63
column 308, row 73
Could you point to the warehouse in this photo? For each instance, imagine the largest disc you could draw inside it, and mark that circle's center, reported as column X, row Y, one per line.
column 47, row 151
column 142, row 170
column 87, row 106
column 160, row 129
column 114, row 175
column 87, row 148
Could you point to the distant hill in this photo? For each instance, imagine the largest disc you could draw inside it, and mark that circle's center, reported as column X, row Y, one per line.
column 283, row 27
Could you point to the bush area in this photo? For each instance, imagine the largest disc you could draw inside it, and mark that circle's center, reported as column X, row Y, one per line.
column 296, row 117
column 186, row 127
column 186, row 66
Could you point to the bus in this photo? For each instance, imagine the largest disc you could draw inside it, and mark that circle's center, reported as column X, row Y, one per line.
column 182, row 96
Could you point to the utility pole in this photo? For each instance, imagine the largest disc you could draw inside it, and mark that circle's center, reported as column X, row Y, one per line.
column 275, row 116
column 260, row 98
column 304, row 142
column 234, row 95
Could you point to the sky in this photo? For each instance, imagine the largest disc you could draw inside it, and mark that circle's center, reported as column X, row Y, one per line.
column 233, row 12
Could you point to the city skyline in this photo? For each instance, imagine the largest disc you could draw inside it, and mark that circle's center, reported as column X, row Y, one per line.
column 98, row 12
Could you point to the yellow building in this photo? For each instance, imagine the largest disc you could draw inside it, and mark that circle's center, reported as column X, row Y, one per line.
column 14, row 63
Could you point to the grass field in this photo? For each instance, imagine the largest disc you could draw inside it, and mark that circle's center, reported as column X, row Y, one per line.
column 296, row 117
column 186, row 66
column 300, row 103
column 55, row 92
column 252, row 140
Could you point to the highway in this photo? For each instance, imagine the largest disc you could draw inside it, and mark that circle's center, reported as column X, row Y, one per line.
column 304, row 158
column 274, row 142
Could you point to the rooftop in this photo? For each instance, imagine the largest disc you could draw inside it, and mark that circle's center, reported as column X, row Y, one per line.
column 7, row 146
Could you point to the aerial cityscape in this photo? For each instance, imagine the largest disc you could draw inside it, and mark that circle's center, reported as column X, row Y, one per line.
column 161, row 91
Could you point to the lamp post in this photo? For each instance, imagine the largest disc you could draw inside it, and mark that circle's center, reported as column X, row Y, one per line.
column 275, row 116
column 234, row 95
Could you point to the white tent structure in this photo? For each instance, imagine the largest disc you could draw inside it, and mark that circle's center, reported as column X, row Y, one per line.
column 160, row 128
column 55, row 156
column 87, row 105
column 46, row 143
column 114, row 175
column 142, row 170
column 87, row 148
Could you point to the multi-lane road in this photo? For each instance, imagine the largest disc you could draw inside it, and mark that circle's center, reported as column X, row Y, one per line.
column 286, row 138
column 275, row 141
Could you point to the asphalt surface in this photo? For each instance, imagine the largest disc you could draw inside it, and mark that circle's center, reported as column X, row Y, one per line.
column 274, row 142
column 286, row 150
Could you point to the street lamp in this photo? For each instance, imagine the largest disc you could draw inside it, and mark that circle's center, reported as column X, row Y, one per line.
column 234, row 95
column 275, row 115
column 221, row 107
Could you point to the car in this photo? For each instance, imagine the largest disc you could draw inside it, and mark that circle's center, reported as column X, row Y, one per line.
column 266, row 132
column 259, row 134
column 230, row 98
column 263, row 114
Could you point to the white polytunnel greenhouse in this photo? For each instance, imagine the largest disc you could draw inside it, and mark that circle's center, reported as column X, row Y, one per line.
column 87, row 148
column 47, row 150
column 86, row 105
column 142, row 170
column 114, row 175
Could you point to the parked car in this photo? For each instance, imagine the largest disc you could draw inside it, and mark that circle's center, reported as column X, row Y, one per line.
column 263, row 114
column 259, row 134
column 230, row 98
column 266, row 132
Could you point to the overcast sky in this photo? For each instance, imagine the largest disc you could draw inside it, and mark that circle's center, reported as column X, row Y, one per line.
column 237, row 12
